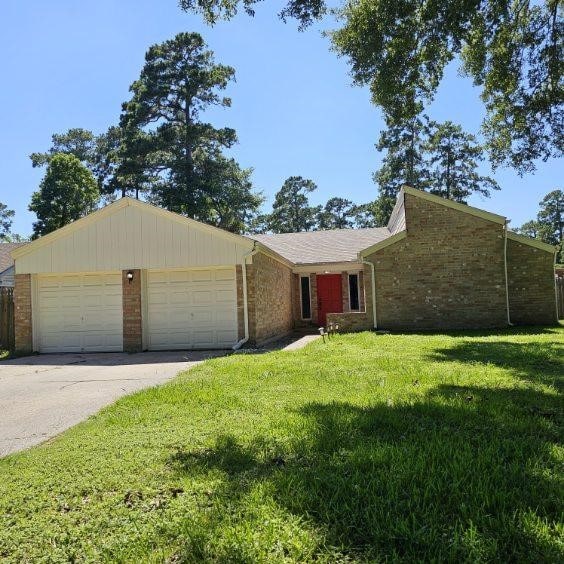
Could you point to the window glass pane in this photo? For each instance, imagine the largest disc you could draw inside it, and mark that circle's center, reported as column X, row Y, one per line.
column 306, row 306
column 353, row 290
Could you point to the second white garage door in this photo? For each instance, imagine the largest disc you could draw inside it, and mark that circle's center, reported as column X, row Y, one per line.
column 191, row 309
column 79, row 313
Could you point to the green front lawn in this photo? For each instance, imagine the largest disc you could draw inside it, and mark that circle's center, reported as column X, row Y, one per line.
column 368, row 448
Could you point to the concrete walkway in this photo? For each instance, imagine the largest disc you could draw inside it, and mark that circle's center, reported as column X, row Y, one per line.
column 41, row 396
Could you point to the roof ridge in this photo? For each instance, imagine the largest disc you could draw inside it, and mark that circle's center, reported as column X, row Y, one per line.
column 341, row 229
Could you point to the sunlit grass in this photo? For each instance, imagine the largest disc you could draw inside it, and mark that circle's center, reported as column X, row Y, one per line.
column 370, row 447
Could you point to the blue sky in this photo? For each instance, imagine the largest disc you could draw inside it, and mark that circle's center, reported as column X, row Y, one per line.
column 69, row 64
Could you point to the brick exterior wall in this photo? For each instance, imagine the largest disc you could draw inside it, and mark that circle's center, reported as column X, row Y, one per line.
column 530, row 275
column 22, row 314
column 447, row 274
column 345, row 291
column 313, row 292
column 269, row 294
column 132, row 312
column 350, row 321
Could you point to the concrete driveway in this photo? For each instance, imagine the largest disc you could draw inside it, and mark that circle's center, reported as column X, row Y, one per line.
column 40, row 396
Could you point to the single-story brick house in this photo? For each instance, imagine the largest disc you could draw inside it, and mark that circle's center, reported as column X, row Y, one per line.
column 132, row 277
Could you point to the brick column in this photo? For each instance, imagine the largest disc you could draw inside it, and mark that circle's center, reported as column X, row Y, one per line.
column 22, row 314
column 132, row 313
column 313, row 296
column 345, row 291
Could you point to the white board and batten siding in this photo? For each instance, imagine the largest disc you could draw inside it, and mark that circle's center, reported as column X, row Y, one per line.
column 131, row 234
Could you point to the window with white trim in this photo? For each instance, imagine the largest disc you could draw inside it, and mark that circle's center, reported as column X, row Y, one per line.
column 305, row 297
column 354, row 297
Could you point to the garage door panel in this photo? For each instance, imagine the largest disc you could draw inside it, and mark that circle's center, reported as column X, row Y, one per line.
column 224, row 338
column 179, row 297
column 177, row 276
column 80, row 313
column 202, row 316
column 191, row 309
column 225, row 316
column 224, row 296
column 201, row 297
column 203, row 338
column 225, row 274
column 51, row 342
column 201, row 276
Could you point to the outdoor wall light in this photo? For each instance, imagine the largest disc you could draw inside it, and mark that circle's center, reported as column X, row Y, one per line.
column 129, row 276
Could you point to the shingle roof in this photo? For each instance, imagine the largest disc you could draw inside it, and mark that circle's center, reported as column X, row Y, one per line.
column 314, row 247
column 6, row 259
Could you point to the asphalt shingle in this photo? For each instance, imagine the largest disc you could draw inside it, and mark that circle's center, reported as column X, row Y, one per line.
column 315, row 247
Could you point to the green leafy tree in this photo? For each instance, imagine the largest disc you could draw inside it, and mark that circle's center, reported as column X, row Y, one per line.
column 291, row 211
column 164, row 135
column 534, row 229
column 338, row 213
column 67, row 192
column 551, row 216
column 6, row 220
column 549, row 225
column 122, row 164
column 99, row 153
column 404, row 161
column 232, row 202
column 437, row 157
column 364, row 216
column 512, row 50
column 453, row 158
column 259, row 224
column 76, row 141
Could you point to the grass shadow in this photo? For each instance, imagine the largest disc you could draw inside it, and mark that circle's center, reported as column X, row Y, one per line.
column 541, row 363
column 464, row 474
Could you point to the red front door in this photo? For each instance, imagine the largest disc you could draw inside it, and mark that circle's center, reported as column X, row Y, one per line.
column 329, row 296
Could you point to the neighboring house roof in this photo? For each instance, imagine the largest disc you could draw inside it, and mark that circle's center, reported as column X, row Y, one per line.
column 319, row 247
column 6, row 259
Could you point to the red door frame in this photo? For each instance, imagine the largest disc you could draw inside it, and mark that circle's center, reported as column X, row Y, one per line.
column 329, row 296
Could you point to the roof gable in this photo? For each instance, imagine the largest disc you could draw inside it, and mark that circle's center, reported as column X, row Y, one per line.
column 131, row 234
column 454, row 205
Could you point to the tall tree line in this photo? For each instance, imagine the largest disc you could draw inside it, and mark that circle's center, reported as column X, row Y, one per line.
column 162, row 148
column 512, row 51
column 549, row 223
column 440, row 158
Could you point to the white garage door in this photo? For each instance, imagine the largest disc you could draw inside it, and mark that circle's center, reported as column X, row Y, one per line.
column 80, row 313
column 191, row 309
